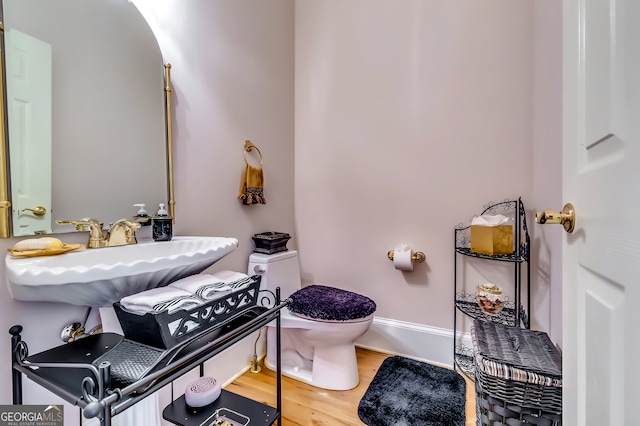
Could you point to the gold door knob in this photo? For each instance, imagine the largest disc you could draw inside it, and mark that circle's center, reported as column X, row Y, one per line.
column 38, row 210
column 566, row 218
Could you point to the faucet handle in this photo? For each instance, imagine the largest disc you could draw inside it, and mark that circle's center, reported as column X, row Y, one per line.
column 122, row 232
column 96, row 239
column 84, row 224
column 141, row 220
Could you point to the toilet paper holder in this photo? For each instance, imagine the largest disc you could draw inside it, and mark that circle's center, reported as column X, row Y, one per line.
column 417, row 257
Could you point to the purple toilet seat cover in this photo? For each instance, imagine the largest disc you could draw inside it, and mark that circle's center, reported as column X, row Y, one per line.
column 331, row 304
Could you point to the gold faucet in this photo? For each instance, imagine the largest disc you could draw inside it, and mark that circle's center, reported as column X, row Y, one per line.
column 96, row 238
column 122, row 232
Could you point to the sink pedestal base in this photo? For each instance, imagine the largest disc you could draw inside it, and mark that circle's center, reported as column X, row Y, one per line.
column 147, row 411
column 110, row 323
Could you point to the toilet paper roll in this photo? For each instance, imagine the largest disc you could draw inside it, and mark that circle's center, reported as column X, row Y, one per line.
column 402, row 258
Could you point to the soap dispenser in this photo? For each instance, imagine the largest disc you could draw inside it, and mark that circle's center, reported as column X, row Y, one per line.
column 144, row 233
column 161, row 225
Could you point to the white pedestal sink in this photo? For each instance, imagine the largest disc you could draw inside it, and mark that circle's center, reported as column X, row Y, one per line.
column 100, row 277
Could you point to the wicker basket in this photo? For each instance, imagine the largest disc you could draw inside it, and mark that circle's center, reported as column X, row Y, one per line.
column 518, row 376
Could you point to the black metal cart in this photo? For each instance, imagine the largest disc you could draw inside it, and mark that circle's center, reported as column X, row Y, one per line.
column 104, row 374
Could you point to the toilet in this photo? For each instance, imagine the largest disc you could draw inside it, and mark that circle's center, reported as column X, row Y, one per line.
column 318, row 329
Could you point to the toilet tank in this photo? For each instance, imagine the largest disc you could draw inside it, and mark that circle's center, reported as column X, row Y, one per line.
column 277, row 270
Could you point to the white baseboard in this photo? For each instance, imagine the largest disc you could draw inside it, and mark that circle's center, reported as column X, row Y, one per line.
column 422, row 342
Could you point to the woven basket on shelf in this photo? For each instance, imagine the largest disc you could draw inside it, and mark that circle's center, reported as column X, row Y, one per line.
column 518, row 376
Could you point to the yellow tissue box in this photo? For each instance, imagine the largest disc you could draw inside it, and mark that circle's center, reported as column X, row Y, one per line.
column 491, row 240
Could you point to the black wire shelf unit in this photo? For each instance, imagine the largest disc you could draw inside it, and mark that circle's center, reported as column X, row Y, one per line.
column 76, row 373
column 517, row 307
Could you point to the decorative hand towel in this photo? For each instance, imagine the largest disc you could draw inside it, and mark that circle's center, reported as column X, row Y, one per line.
column 251, row 187
column 229, row 276
column 230, row 281
column 219, row 290
column 212, row 286
column 160, row 299
column 195, row 282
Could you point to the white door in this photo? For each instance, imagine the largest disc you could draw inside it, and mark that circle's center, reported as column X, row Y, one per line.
column 29, row 93
column 601, row 174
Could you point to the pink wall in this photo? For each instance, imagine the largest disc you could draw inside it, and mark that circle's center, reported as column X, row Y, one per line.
column 232, row 71
column 546, row 156
column 410, row 117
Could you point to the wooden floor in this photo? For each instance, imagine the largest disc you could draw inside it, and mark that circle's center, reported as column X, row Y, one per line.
column 306, row 405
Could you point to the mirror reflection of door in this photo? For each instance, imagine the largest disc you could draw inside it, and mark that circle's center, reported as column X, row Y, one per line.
column 109, row 140
column 29, row 115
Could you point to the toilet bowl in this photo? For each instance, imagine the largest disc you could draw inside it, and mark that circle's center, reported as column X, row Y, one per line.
column 315, row 348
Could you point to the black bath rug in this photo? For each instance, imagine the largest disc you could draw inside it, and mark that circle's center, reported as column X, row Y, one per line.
column 405, row 392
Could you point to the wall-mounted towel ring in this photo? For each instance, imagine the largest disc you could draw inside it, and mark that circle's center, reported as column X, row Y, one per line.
column 248, row 147
column 252, row 184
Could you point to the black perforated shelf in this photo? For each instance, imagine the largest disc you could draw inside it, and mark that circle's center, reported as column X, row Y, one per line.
column 70, row 370
column 243, row 408
column 501, row 257
column 467, row 304
column 463, row 361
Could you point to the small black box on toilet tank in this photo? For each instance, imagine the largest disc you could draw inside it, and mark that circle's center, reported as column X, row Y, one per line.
column 270, row 242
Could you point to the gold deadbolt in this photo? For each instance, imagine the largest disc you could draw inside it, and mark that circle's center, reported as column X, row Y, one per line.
column 38, row 210
column 566, row 218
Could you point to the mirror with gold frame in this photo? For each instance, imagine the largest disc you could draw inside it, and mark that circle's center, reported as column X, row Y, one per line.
column 94, row 135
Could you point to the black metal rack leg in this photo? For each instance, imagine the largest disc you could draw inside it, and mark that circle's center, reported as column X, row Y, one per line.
column 16, row 376
column 278, row 361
